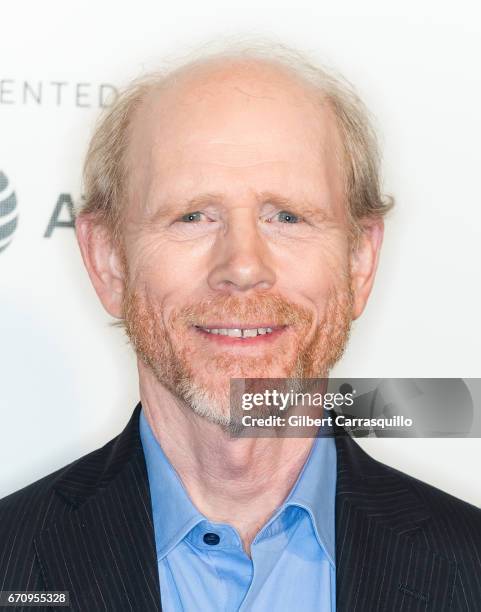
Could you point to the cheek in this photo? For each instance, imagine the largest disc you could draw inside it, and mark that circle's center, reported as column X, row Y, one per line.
column 160, row 267
column 315, row 268
column 162, row 279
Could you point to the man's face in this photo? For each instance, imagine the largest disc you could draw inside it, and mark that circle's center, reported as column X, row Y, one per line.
column 236, row 221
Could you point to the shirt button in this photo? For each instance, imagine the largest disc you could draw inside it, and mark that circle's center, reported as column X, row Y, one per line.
column 211, row 538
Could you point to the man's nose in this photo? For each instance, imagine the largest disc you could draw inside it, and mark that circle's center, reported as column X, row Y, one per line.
column 241, row 258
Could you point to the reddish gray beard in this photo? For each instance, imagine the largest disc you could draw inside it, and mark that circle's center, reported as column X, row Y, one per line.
column 201, row 379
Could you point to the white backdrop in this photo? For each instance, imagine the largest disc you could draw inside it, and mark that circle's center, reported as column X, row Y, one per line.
column 67, row 379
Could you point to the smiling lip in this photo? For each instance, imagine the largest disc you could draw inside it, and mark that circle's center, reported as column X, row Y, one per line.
column 238, row 326
column 266, row 333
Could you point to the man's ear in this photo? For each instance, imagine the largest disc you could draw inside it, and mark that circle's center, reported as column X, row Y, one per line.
column 364, row 260
column 103, row 261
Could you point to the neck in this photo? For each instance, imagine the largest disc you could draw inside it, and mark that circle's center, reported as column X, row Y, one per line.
column 240, row 481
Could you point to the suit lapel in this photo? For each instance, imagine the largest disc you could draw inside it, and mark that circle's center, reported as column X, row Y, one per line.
column 103, row 550
column 383, row 563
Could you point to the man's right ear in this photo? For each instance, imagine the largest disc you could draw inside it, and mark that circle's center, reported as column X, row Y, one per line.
column 103, row 262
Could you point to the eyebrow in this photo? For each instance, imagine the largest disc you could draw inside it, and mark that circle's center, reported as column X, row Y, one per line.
column 300, row 206
column 171, row 209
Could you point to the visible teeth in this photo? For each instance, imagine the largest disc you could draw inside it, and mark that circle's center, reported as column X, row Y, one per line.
column 239, row 333
column 235, row 333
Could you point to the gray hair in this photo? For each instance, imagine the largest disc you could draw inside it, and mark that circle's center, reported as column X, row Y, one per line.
column 104, row 175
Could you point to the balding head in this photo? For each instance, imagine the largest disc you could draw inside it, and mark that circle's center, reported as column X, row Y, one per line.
column 231, row 126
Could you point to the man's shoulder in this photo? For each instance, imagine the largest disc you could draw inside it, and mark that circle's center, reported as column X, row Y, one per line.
column 36, row 506
column 10, row 504
column 37, row 513
column 452, row 523
column 434, row 497
column 76, row 481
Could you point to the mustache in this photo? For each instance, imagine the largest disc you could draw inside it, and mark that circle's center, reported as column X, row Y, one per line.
column 269, row 307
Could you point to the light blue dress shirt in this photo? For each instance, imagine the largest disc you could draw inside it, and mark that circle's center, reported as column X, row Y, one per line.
column 202, row 565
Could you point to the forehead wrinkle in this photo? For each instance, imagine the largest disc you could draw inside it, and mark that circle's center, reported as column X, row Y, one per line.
column 202, row 149
column 245, row 165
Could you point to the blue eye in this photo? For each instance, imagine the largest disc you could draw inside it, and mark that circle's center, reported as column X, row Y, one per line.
column 287, row 217
column 191, row 217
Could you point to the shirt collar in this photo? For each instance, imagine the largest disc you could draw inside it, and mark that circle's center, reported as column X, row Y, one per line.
column 173, row 512
column 175, row 515
column 315, row 491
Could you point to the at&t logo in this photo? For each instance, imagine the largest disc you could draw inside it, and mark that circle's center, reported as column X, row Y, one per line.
column 8, row 212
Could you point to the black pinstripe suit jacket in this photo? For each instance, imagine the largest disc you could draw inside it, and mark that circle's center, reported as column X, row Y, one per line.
column 401, row 544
